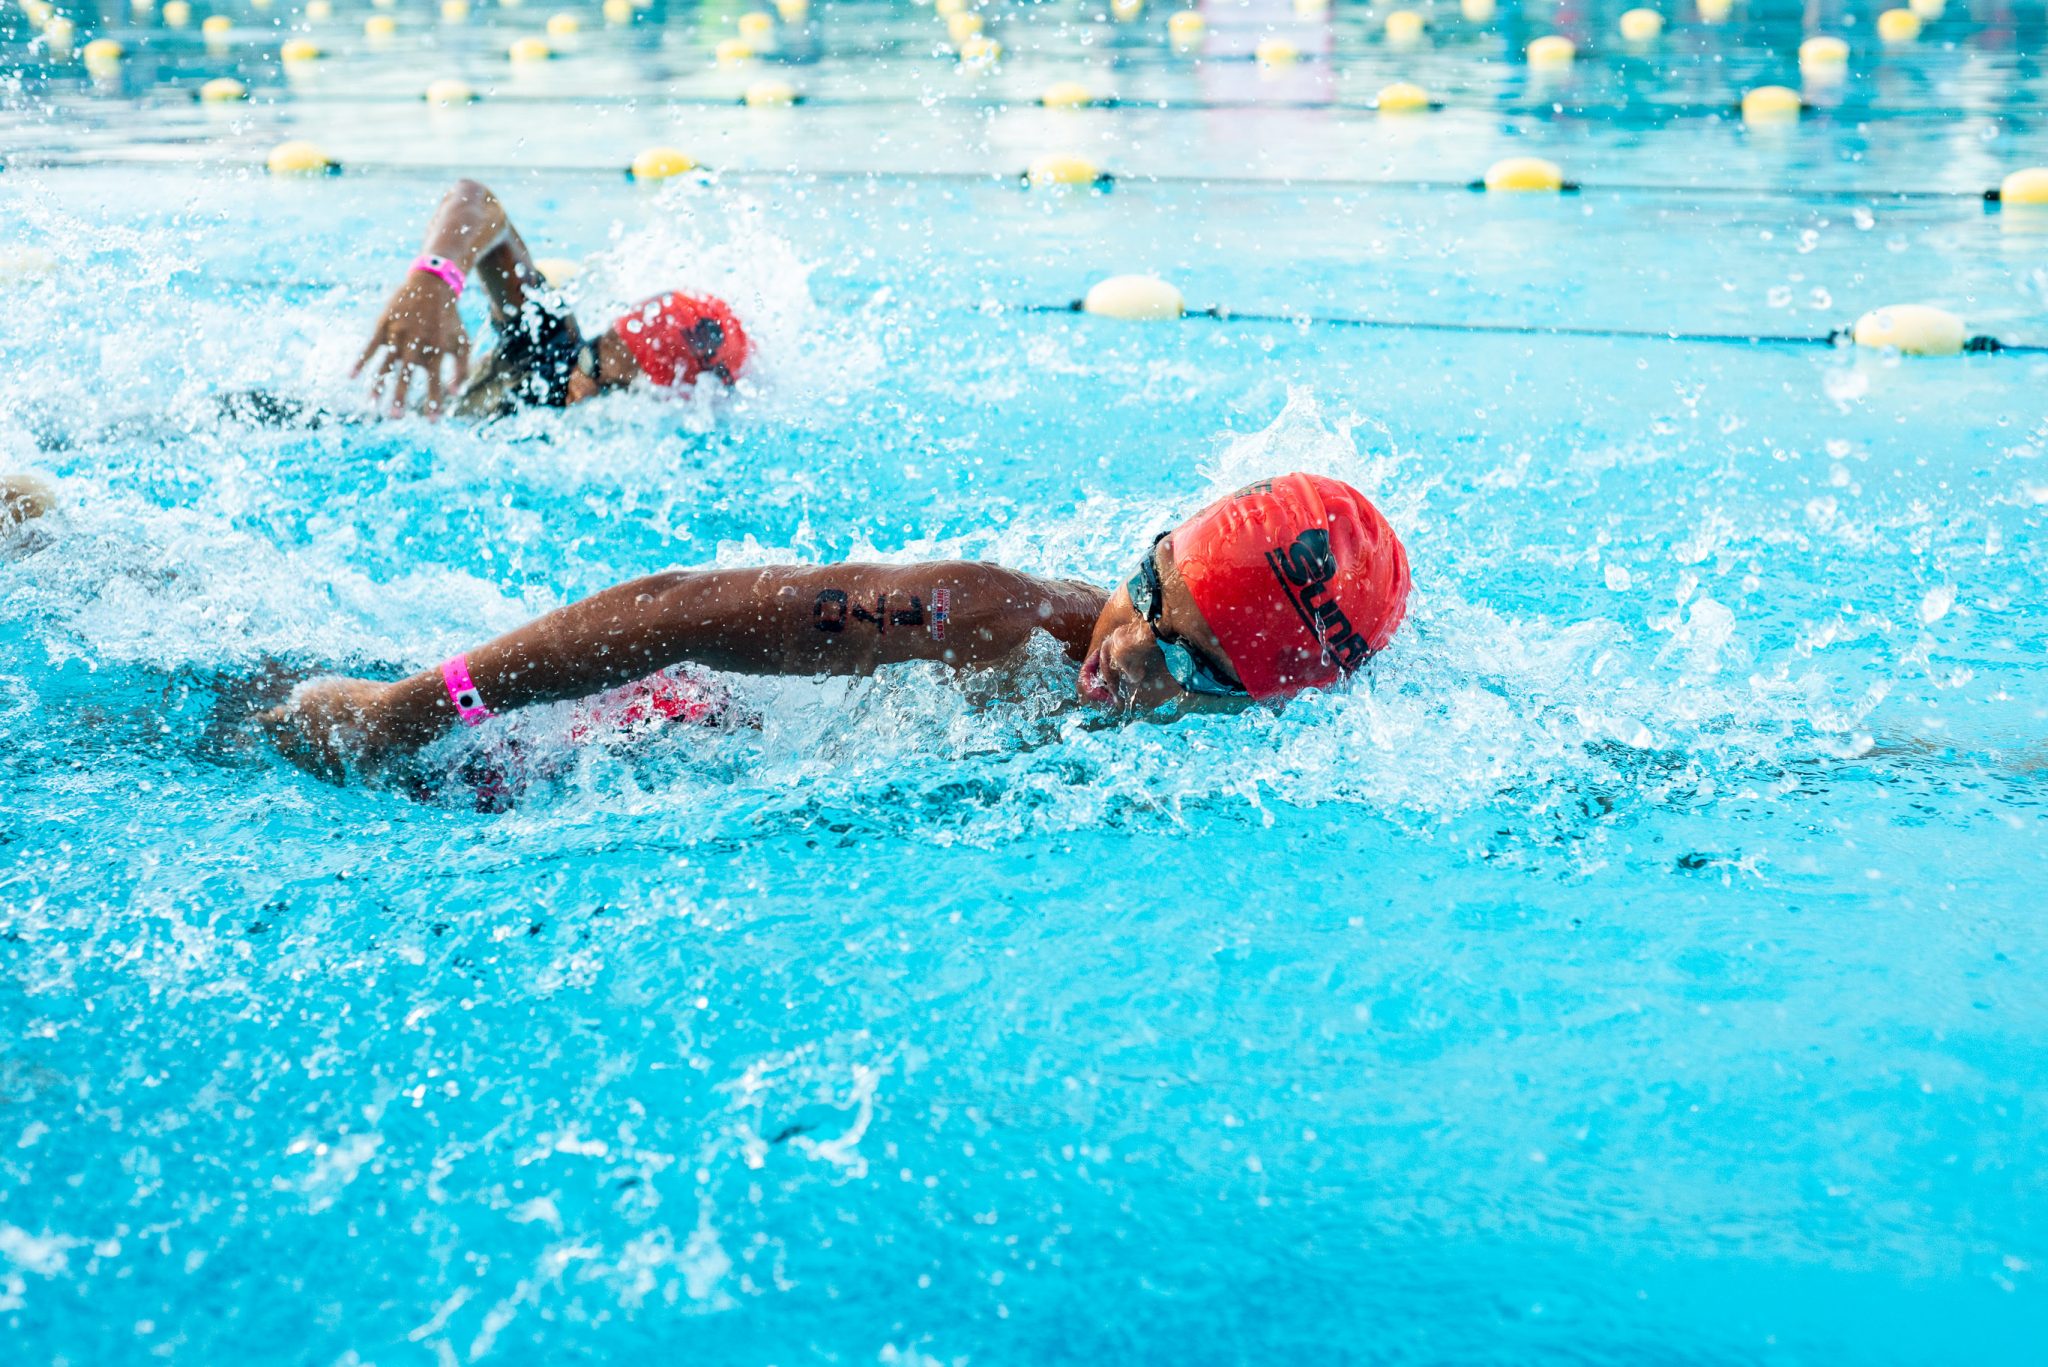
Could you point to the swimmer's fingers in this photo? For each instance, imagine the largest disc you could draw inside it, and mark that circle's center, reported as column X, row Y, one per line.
column 287, row 733
column 376, row 344
column 401, row 390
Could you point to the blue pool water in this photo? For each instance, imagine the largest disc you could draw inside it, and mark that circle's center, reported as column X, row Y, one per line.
column 1646, row 963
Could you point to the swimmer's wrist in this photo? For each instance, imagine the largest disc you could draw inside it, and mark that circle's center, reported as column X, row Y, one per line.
column 411, row 713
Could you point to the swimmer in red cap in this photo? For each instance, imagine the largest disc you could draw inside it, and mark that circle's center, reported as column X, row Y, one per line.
column 1289, row 584
column 419, row 350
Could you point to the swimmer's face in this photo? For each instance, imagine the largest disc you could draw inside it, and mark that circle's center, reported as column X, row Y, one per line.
column 1125, row 667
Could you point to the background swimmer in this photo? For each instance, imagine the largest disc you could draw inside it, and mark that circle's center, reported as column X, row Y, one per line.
column 418, row 351
column 1288, row 584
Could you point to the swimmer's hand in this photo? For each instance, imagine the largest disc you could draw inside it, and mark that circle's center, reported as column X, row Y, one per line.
column 419, row 330
column 329, row 726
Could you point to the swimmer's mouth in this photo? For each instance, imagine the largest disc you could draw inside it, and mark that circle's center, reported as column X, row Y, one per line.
column 1094, row 688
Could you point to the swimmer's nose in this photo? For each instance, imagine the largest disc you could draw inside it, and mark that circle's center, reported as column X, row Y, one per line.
column 1129, row 659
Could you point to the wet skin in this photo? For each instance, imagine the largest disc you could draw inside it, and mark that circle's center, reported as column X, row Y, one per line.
column 807, row 620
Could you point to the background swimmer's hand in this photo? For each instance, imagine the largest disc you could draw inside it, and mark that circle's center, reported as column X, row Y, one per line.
column 328, row 725
column 419, row 330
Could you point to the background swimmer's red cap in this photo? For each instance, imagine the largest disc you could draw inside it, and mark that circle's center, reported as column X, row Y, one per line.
column 1300, row 578
column 677, row 337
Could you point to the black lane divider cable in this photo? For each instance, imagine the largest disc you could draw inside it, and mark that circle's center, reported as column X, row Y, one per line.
column 1103, row 181
column 1644, row 112
column 1834, row 337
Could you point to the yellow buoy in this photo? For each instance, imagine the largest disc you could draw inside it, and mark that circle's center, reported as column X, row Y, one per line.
column 298, row 51
column 379, row 27
column 1930, row 10
column 223, row 90
column 1641, row 25
column 1402, row 98
column 793, row 11
column 1311, row 9
column 962, row 26
column 757, row 28
column 1057, row 170
column 1771, row 104
column 1898, row 26
column 454, row 11
column 59, row 34
column 770, row 94
column 617, row 12
column 2028, row 187
column 177, row 13
column 980, row 52
column 449, row 91
column 564, row 26
column 1478, row 11
column 1276, row 52
column 142, row 8
column 1525, row 174
column 1714, row 11
column 1186, row 28
column 529, row 50
column 1911, row 329
column 1125, row 11
column 660, row 163
column 947, row 8
column 1824, row 53
column 38, row 13
column 103, row 56
column 557, row 270
column 1552, row 50
column 1135, row 299
column 732, row 52
column 1404, row 27
column 217, row 26
column 319, row 11
column 299, row 158
column 1067, row 95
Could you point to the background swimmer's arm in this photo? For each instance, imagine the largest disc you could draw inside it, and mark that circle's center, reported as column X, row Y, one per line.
column 421, row 327
column 803, row 620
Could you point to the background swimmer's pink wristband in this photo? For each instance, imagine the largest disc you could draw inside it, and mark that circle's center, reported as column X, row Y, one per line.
column 462, row 691
column 449, row 272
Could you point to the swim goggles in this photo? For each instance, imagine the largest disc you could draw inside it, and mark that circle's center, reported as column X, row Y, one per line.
column 1188, row 669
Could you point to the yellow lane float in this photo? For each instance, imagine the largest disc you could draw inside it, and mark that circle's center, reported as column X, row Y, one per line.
column 1061, row 171
column 1524, row 175
column 1135, row 299
column 1911, row 330
column 1641, row 26
column 1769, row 104
column 1402, row 97
column 299, row 158
column 661, row 163
column 770, row 94
column 2028, row 187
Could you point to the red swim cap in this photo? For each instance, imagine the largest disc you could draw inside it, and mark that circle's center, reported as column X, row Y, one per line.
column 1300, row 578
column 677, row 337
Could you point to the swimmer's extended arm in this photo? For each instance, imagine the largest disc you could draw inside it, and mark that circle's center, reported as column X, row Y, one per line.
column 421, row 327
column 800, row 620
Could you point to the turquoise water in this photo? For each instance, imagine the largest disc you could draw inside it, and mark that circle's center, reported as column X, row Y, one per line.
column 1645, row 963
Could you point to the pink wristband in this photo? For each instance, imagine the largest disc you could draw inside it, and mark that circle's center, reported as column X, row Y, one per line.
column 450, row 274
column 462, row 691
